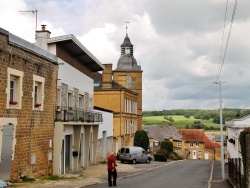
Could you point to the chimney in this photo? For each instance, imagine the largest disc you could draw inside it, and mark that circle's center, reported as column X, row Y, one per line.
column 41, row 37
column 107, row 76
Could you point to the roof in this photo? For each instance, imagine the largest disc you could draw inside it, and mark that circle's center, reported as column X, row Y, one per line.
column 216, row 145
column 114, row 85
column 126, row 41
column 77, row 50
column 102, row 109
column 161, row 133
column 197, row 135
column 208, row 143
column 193, row 135
column 21, row 43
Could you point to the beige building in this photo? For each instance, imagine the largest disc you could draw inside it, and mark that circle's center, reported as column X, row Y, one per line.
column 28, row 84
column 120, row 90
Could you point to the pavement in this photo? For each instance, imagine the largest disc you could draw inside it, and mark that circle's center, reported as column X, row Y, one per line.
column 97, row 173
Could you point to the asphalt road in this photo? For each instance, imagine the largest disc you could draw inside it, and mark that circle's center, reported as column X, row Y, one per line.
column 186, row 174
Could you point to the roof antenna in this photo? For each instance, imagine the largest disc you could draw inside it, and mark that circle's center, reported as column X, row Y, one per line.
column 33, row 11
column 127, row 28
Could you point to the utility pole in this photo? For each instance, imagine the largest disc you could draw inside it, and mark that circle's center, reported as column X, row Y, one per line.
column 221, row 134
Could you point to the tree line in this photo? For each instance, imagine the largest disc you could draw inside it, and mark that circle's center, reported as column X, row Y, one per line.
column 227, row 113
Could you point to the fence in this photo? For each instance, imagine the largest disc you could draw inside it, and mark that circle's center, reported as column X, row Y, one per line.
column 235, row 172
column 66, row 114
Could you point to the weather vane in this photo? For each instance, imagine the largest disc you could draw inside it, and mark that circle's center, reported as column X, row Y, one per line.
column 127, row 27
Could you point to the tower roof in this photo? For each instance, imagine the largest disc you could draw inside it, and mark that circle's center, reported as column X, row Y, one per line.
column 127, row 62
column 126, row 41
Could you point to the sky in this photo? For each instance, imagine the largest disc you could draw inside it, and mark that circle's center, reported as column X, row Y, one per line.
column 185, row 48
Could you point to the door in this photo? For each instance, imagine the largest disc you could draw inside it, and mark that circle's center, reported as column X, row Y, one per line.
column 67, row 152
column 62, row 158
column 6, row 153
column 104, row 144
column 206, row 155
column 194, row 154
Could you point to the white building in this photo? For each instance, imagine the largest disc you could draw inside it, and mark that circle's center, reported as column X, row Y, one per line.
column 234, row 128
column 76, row 124
column 105, row 134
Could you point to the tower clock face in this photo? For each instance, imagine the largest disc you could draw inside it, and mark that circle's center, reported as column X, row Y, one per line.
column 127, row 51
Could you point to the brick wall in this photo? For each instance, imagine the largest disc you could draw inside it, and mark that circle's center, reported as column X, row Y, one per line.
column 34, row 129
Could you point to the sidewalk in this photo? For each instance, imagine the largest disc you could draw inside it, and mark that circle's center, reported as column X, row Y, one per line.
column 96, row 173
column 217, row 176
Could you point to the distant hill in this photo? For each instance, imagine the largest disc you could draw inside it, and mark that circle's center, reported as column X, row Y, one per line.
column 197, row 114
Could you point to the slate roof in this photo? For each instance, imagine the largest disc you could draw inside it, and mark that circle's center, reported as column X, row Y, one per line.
column 161, row 133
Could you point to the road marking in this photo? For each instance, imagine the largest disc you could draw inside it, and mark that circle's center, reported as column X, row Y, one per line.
column 211, row 176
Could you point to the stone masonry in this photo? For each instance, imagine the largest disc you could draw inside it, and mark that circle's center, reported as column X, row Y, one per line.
column 34, row 129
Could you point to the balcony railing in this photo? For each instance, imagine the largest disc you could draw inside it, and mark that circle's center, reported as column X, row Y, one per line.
column 67, row 114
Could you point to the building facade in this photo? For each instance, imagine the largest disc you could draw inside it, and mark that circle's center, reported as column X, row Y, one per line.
column 76, row 123
column 28, row 77
column 120, row 90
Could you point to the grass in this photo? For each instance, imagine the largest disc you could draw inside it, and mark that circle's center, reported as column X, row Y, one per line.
column 179, row 121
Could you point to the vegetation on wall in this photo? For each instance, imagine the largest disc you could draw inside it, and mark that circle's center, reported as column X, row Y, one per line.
column 242, row 139
column 141, row 139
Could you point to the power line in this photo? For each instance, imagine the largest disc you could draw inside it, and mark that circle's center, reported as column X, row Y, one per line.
column 228, row 37
column 222, row 40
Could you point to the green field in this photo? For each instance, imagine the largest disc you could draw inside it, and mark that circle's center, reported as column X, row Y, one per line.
column 179, row 121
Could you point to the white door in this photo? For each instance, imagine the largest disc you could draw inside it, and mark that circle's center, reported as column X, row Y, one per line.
column 206, row 155
column 194, row 154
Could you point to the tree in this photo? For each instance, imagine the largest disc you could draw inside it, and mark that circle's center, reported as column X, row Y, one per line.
column 141, row 139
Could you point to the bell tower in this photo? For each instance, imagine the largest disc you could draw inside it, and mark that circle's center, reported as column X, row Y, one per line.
column 129, row 74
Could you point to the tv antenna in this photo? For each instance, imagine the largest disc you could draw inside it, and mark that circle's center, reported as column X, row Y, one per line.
column 32, row 11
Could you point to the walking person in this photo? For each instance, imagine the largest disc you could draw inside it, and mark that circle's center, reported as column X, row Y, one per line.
column 111, row 167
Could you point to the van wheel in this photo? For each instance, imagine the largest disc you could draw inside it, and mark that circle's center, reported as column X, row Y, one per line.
column 148, row 161
column 134, row 161
column 122, row 161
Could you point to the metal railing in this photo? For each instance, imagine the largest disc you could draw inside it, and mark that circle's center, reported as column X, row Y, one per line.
column 68, row 114
column 234, row 172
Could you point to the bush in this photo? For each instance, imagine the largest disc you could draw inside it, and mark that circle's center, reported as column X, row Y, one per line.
column 163, row 152
column 174, row 156
column 167, row 145
column 160, row 157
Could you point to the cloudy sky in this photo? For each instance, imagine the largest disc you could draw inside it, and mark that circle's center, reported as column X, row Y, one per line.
column 182, row 46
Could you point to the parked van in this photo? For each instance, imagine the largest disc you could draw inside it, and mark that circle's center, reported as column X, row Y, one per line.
column 134, row 154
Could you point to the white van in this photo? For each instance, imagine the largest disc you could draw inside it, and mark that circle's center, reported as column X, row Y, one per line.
column 134, row 154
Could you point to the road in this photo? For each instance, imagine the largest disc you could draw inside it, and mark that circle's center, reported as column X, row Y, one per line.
column 186, row 174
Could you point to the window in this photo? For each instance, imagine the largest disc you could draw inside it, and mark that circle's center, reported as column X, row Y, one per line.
column 81, row 101
column 14, row 88
column 129, row 81
column 70, row 100
column 200, row 153
column 38, row 92
column 191, row 144
column 197, row 144
column 179, row 144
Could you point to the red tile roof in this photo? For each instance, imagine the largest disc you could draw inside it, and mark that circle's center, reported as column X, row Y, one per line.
column 197, row 135
column 216, row 144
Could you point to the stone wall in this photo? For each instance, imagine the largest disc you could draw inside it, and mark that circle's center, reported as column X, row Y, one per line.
column 34, row 129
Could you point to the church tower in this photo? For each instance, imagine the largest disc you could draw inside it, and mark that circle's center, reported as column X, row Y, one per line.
column 129, row 75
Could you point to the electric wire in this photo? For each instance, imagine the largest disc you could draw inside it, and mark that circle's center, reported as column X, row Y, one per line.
column 228, row 37
column 222, row 41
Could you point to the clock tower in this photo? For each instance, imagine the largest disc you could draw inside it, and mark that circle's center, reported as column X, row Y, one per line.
column 129, row 75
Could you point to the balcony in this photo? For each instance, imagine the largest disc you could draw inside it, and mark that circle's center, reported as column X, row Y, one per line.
column 70, row 114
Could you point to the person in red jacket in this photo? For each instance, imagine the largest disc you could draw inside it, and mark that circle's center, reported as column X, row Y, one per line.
column 111, row 167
